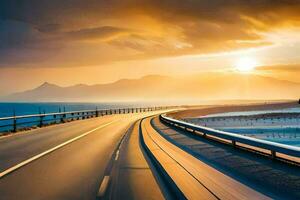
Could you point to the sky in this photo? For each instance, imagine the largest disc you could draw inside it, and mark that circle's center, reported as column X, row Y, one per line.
column 98, row 41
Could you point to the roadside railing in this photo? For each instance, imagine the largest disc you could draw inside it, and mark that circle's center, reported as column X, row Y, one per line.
column 15, row 123
column 272, row 147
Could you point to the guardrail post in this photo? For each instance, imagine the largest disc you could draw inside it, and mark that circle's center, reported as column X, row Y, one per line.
column 233, row 143
column 15, row 122
column 59, row 111
column 61, row 118
column 64, row 112
column 273, row 154
column 41, row 120
column 15, row 125
column 97, row 114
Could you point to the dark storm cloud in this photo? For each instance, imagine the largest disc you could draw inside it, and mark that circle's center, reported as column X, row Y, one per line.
column 28, row 27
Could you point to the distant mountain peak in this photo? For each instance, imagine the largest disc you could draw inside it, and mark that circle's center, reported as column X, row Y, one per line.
column 196, row 87
column 47, row 84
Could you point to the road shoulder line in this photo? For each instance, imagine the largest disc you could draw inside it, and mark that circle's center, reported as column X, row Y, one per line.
column 25, row 162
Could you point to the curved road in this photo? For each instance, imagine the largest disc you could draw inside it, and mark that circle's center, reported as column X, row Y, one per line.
column 73, row 171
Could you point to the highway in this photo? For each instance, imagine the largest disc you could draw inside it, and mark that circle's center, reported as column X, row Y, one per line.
column 135, row 156
column 73, row 170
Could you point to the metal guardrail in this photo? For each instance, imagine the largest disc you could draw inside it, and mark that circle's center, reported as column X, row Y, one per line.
column 273, row 147
column 14, row 123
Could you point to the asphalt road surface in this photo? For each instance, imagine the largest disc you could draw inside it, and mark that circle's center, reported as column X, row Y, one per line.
column 65, row 161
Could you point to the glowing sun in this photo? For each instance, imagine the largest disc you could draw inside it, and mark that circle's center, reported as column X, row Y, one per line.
column 246, row 64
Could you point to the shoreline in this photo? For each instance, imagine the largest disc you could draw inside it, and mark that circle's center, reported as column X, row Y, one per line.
column 197, row 111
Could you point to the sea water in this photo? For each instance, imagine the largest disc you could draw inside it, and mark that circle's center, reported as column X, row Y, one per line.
column 10, row 109
column 255, row 112
column 284, row 130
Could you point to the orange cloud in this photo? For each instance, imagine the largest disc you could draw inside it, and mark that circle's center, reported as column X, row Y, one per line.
column 91, row 32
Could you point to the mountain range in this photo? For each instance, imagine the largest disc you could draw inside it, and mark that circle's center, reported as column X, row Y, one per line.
column 208, row 86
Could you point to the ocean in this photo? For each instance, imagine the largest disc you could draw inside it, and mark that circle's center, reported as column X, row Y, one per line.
column 283, row 135
column 284, row 129
column 245, row 113
column 8, row 109
column 19, row 109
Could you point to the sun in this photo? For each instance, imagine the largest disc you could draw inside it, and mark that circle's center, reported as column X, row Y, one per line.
column 246, row 64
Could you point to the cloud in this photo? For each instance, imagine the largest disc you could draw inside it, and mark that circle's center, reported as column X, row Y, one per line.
column 48, row 28
column 281, row 68
column 15, row 34
column 99, row 33
column 290, row 72
column 33, row 30
column 24, row 44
